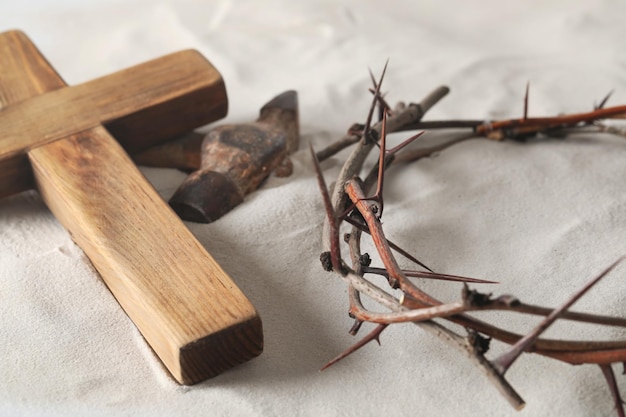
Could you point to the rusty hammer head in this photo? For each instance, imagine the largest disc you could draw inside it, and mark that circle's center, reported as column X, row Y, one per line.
column 236, row 158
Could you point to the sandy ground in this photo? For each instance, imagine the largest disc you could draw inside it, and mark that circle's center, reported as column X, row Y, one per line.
column 540, row 217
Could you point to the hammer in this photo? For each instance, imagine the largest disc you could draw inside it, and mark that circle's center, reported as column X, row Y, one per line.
column 235, row 160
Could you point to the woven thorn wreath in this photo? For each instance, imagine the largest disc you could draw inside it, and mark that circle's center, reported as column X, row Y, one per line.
column 351, row 201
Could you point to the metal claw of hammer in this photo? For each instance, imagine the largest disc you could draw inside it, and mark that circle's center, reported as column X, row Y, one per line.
column 236, row 158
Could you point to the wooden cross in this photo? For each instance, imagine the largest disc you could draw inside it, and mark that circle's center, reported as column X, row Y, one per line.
column 59, row 139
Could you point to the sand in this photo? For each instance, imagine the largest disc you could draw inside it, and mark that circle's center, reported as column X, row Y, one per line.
column 540, row 217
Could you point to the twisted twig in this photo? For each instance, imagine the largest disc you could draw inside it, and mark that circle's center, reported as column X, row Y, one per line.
column 348, row 202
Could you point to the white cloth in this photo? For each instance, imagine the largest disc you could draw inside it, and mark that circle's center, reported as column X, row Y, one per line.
column 541, row 217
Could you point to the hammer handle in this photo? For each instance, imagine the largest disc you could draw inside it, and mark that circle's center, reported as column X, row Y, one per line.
column 184, row 304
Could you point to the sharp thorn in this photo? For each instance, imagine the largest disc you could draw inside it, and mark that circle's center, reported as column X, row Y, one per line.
column 393, row 246
column 604, row 100
column 405, row 143
column 609, row 376
column 526, row 100
column 431, row 275
column 335, row 253
column 373, row 80
column 368, row 121
column 505, row 360
column 373, row 335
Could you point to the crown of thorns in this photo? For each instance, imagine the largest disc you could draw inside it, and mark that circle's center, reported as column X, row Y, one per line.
column 350, row 202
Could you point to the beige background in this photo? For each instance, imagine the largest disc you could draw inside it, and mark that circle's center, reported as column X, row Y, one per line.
column 541, row 217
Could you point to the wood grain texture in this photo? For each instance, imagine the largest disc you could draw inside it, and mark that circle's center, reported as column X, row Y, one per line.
column 191, row 313
column 143, row 105
column 24, row 73
column 183, row 303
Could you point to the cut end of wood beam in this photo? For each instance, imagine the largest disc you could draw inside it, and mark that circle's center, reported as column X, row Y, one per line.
column 214, row 354
column 184, row 304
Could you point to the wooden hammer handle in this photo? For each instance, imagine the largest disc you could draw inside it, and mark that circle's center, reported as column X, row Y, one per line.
column 186, row 307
